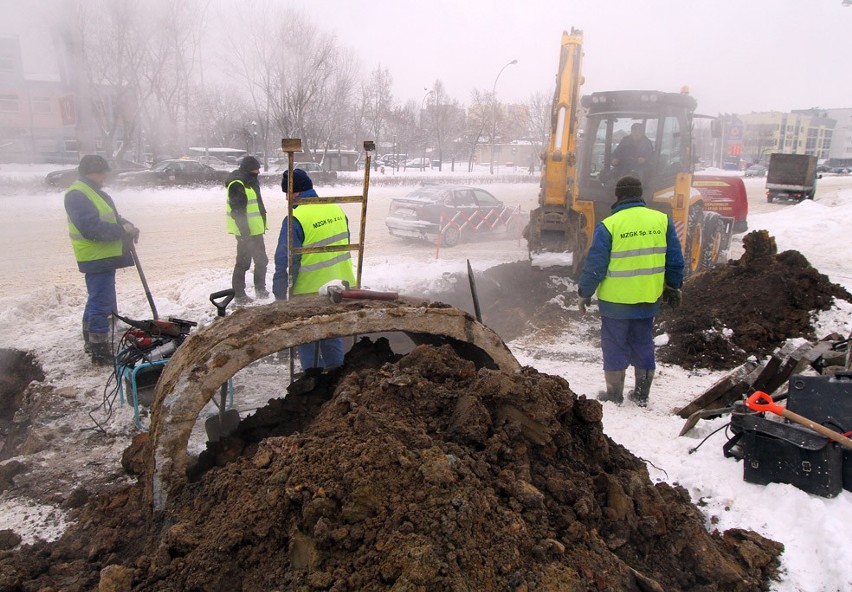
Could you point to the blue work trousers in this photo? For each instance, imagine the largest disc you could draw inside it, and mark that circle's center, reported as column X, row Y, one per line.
column 101, row 302
column 329, row 354
column 627, row 342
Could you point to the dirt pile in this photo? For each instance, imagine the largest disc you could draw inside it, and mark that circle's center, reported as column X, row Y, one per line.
column 416, row 473
column 747, row 307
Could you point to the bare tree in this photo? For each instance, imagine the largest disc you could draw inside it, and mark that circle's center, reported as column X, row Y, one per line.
column 376, row 106
column 539, row 108
column 447, row 122
column 478, row 117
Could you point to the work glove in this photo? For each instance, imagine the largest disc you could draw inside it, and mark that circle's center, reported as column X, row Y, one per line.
column 671, row 296
column 131, row 231
column 583, row 302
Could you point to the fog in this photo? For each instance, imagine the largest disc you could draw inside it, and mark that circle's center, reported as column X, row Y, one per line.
column 150, row 79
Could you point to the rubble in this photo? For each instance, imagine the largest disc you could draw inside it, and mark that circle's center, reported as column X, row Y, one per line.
column 409, row 473
column 748, row 307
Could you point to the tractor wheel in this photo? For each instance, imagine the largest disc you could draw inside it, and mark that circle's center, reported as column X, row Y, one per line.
column 694, row 239
column 713, row 236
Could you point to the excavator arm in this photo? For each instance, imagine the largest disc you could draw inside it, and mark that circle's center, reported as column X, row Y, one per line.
column 554, row 227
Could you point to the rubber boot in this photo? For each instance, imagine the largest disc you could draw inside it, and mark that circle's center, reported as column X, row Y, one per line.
column 614, row 387
column 100, row 349
column 639, row 394
column 86, row 347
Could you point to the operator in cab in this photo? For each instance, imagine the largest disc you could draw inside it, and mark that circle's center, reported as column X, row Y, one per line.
column 632, row 154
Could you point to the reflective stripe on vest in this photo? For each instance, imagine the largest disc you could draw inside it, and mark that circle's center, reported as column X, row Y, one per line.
column 92, row 250
column 637, row 264
column 253, row 215
column 324, row 225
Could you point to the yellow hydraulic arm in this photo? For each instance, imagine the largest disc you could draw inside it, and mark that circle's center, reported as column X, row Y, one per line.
column 561, row 157
column 553, row 229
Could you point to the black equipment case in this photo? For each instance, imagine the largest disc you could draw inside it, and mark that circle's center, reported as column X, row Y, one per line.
column 827, row 401
column 780, row 452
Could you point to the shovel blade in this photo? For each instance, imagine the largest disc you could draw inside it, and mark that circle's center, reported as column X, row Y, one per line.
column 217, row 429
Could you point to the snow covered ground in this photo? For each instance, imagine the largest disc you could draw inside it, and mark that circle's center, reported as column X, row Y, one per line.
column 186, row 255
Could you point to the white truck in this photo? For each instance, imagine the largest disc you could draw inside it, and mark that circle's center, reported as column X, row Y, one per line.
column 791, row 176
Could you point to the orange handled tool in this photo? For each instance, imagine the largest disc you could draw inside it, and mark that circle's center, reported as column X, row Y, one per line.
column 760, row 401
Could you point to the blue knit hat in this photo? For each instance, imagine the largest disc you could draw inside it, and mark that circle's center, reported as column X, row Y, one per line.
column 301, row 181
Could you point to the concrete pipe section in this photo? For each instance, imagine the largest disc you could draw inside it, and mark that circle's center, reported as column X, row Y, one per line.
column 218, row 351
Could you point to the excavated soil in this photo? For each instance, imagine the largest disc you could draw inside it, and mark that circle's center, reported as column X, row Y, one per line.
column 424, row 472
column 747, row 307
column 407, row 473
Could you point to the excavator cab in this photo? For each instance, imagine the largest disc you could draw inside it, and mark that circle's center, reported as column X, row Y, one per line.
column 645, row 134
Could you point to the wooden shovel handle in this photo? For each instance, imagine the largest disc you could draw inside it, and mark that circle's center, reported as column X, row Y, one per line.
column 760, row 401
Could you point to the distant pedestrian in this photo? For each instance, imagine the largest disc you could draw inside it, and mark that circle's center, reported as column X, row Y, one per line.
column 634, row 259
column 247, row 222
column 314, row 225
column 100, row 240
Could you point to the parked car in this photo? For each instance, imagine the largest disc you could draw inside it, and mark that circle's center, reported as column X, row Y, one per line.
column 177, row 171
column 215, row 162
column 64, row 177
column 839, row 170
column 452, row 212
column 725, row 195
column 315, row 171
column 755, row 170
column 417, row 163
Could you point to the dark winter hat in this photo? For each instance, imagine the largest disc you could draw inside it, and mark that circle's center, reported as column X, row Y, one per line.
column 249, row 163
column 92, row 163
column 301, row 181
column 628, row 187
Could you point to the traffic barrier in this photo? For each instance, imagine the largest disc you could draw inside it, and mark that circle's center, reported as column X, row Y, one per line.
column 477, row 221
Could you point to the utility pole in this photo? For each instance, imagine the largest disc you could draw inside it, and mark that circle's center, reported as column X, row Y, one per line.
column 494, row 112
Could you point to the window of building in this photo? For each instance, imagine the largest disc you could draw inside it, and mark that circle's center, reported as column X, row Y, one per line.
column 7, row 62
column 40, row 104
column 70, row 145
column 9, row 103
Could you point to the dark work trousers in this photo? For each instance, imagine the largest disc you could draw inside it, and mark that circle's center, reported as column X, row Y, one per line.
column 250, row 248
column 329, row 354
column 627, row 342
column 101, row 302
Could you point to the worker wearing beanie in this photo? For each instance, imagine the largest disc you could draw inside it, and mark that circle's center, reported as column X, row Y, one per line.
column 247, row 222
column 635, row 258
column 100, row 240
column 314, row 225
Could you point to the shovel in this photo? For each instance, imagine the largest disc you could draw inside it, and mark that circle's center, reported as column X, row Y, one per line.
column 760, row 401
column 225, row 422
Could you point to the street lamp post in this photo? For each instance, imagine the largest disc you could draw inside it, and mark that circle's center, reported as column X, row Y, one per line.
column 494, row 111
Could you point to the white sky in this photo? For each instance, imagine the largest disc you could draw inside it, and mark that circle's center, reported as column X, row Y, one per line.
column 736, row 56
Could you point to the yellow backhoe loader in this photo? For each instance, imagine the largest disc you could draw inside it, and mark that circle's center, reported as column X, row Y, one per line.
column 581, row 166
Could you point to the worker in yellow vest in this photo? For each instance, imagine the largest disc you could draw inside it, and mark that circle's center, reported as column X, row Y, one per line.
column 99, row 238
column 634, row 259
column 313, row 225
column 247, row 222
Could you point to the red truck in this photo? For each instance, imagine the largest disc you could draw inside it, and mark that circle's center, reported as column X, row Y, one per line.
column 725, row 195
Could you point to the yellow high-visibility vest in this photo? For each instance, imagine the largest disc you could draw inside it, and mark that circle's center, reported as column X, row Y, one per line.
column 253, row 216
column 92, row 250
column 324, row 225
column 637, row 264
